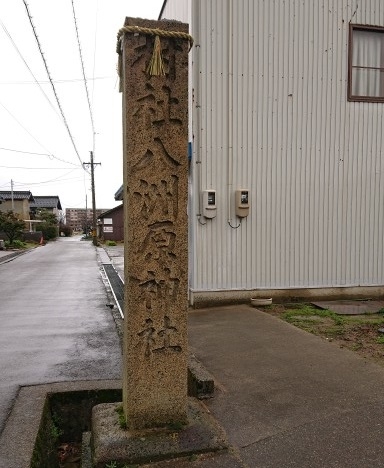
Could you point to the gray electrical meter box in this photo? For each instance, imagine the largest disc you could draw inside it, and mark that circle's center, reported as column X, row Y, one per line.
column 242, row 203
column 209, row 203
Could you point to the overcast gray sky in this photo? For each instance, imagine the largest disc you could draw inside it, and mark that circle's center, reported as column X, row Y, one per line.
column 40, row 150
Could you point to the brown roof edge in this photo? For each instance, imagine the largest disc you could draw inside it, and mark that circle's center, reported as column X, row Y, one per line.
column 106, row 213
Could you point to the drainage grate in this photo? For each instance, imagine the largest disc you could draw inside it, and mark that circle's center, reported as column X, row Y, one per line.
column 117, row 286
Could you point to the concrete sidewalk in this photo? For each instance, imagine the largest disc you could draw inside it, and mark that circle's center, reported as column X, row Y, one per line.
column 287, row 398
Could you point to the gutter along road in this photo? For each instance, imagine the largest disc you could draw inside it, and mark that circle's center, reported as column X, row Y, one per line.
column 54, row 325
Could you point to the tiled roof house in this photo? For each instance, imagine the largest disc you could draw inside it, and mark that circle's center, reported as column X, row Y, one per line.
column 21, row 202
column 50, row 203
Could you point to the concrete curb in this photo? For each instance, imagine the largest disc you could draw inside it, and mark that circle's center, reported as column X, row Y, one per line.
column 200, row 382
column 17, row 441
column 11, row 256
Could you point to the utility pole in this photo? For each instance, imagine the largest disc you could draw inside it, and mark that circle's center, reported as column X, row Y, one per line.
column 86, row 215
column 12, row 200
column 92, row 164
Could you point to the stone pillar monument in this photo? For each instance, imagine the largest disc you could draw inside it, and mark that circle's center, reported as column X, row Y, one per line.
column 153, row 67
column 154, row 82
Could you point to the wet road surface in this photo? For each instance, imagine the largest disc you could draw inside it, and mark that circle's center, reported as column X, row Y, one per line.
column 54, row 323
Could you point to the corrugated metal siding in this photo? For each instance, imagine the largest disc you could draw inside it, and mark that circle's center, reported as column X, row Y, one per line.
column 177, row 9
column 273, row 116
column 182, row 11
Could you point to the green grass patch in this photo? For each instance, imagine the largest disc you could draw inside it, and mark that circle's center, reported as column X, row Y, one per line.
column 367, row 320
column 30, row 245
column 355, row 332
column 122, row 421
column 111, row 464
column 335, row 331
column 312, row 320
column 305, row 310
column 328, row 323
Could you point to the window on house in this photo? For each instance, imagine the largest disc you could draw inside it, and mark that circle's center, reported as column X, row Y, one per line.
column 366, row 63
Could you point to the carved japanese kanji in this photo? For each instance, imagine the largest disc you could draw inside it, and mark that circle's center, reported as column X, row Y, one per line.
column 164, row 340
column 157, row 202
column 147, row 334
column 155, row 211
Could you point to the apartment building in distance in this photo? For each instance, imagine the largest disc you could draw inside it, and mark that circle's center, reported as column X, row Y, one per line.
column 79, row 218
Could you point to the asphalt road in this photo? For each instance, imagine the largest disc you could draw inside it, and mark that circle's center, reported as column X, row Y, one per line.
column 54, row 323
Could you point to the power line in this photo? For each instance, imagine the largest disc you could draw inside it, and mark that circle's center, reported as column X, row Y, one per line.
column 37, row 141
column 38, row 168
column 27, row 152
column 50, row 80
column 53, row 181
column 60, row 179
column 94, row 50
column 44, row 184
column 22, row 126
column 82, row 68
column 26, row 64
column 46, row 181
column 73, row 80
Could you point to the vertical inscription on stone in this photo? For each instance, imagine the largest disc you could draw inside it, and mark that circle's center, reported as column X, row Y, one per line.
column 155, row 204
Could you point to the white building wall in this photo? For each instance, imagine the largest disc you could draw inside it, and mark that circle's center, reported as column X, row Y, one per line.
column 179, row 10
column 270, row 113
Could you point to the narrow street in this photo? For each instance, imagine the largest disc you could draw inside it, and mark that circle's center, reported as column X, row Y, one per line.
column 54, row 323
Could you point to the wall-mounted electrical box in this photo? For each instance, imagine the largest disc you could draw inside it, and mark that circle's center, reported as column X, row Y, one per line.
column 242, row 203
column 209, row 204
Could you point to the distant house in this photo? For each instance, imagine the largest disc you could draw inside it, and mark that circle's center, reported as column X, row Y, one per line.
column 111, row 224
column 18, row 202
column 49, row 203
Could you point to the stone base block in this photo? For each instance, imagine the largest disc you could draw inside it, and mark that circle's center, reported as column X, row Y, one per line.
column 111, row 443
column 201, row 383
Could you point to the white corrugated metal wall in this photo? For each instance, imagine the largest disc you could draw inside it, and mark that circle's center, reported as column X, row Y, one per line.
column 177, row 9
column 270, row 113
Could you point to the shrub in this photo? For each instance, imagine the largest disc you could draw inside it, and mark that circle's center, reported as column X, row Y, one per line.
column 49, row 225
column 17, row 244
column 11, row 225
column 49, row 231
column 66, row 230
column 111, row 243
